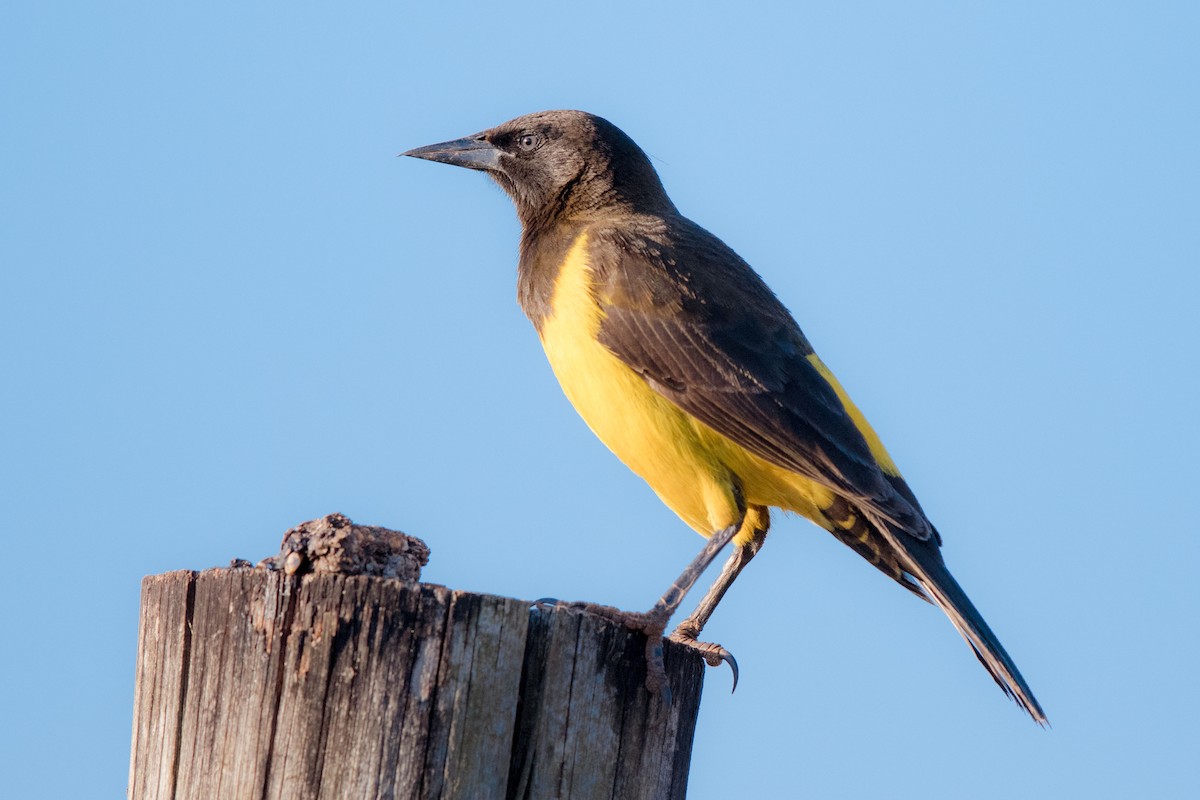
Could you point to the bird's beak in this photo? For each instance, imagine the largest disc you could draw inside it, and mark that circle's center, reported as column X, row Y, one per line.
column 472, row 152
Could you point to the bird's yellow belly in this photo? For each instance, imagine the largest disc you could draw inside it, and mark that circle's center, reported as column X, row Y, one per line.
column 691, row 467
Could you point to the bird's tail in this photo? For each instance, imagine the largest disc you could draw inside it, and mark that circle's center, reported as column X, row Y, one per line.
column 944, row 590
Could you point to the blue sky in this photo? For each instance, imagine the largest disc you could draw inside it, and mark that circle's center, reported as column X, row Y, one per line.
column 228, row 309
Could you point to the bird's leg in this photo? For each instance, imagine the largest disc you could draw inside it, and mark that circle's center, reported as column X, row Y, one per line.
column 687, row 631
column 654, row 622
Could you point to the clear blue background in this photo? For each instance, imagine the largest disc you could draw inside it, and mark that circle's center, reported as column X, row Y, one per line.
column 227, row 308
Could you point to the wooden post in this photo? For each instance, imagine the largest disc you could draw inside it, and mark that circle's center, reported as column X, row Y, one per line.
column 273, row 683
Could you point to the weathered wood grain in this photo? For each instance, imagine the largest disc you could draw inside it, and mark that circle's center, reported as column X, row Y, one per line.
column 254, row 683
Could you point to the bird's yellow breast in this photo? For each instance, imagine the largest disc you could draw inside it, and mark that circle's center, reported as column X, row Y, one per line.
column 689, row 465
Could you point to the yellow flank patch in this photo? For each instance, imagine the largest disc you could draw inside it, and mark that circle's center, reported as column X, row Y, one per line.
column 878, row 451
column 690, row 466
column 645, row 430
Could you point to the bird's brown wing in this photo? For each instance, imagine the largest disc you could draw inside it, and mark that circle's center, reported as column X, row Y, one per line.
column 699, row 325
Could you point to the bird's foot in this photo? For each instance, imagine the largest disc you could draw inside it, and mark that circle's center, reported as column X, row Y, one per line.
column 653, row 623
column 713, row 654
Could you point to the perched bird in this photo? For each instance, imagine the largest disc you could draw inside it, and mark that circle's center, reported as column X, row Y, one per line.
column 692, row 372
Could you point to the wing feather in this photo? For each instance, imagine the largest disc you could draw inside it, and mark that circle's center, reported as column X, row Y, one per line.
column 700, row 326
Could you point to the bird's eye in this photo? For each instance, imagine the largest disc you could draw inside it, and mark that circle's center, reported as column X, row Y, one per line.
column 529, row 142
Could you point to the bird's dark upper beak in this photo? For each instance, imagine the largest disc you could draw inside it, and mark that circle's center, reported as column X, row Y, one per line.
column 472, row 152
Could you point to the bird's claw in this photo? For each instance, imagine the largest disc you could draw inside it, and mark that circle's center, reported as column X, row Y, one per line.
column 545, row 603
column 713, row 654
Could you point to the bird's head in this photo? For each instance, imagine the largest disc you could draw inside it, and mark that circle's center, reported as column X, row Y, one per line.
column 559, row 164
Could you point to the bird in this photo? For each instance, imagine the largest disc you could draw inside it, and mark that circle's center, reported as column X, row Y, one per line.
column 683, row 362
